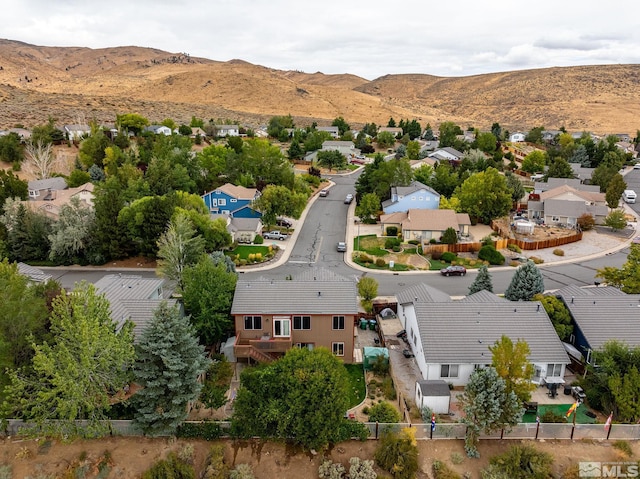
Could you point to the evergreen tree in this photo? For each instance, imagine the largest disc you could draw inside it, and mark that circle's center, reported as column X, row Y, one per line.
column 488, row 407
column 525, row 284
column 482, row 281
column 168, row 363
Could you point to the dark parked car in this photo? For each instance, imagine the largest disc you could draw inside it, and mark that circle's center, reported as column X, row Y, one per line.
column 453, row 271
column 284, row 223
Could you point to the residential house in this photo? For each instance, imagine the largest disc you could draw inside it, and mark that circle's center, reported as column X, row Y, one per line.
column 314, row 308
column 599, row 315
column 624, row 137
column 565, row 204
column 450, row 339
column 56, row 199
column 334, row 131
column 550, row 135
column 347, row 148
column 517, row 137
column 447, row 154
column 582, row 172
column 626, row 147
column 35, row 275
column 132, row 298
column 227, row 130
column 197, row 131
column 42, row 189
column 424, row 225
column 414, row 196
column 159, row 130
column 234, row 201
column 395, row 131
column 430, row 145
column 242, row 230
column 551, row 183
column 23, row 133
column 76, row 132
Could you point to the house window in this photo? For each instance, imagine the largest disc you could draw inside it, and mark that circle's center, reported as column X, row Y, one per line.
column 302, row 322
column 413, row 337
column 338, row 322
column 253, row 322
column 222, row 202
column 233, row 200
column 214, row 202
column 555, row 218
column 308, row 346
column 338, row 349
column 449, row 371
column 281, row 327
column 420, row 198
column 554, row 370
column 413, row 198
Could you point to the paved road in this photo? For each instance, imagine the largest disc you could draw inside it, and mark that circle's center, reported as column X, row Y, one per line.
column 326, row 223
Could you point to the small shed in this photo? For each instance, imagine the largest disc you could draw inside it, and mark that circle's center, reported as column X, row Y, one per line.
column 434, row 394
column 370, row 356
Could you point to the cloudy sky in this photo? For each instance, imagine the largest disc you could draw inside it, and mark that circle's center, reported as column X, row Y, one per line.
column 366, row 38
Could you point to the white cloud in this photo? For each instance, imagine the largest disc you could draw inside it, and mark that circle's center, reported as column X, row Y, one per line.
column 368, row 39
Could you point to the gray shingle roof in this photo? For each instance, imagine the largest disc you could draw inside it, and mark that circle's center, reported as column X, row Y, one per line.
column 55, row 183
column 34, row 274
column 121, row 287
column 139, row 312
column 461, row 332
column 574, row 290
column 422, row 293
column 329, row 293
column 483, row 296
column 434, row 387
column 604, row 316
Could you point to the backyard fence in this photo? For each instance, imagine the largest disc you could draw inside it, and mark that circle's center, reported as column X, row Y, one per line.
column 533, row 431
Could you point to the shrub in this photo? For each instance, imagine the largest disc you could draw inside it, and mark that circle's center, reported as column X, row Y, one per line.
column 380, row 366
column 199, row 430
column 216, row 468
column 437, row 255
column 380, row 262
column 331, row 470
column 490, row 254
column 365, row 258
column 514, row 247
column 442, row 471
column 5, row 471
column 388, row 390
column 392, row 231
column 311, row 179
column 243, row 262
column 551, row 417
column 172, row 467
column 242, row 471
column 586, row 222
column 536, row 260
column 348, row 430
column 359, row 469
column 558, row 252
column 487, row 241
column 624, row 447
column 384, row 412
column 457, row 458
column 523, row 462
column 396, row 248
column 365, row 410
column 185, row 454
column 432, row 241
column 413, row 242
column 251, row 257
column 448, row 256
column 397, row 453
column 450, row 236
column 258, row 239
column 389, row 243
column 426, row 412
column 258, row 257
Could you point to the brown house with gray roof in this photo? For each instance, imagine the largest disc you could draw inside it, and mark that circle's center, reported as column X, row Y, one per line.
column 565, row 204
column 423, row 225
column 316, row 308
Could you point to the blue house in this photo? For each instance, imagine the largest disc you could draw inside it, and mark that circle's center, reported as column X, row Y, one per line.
column 416, row 196
column 234, row 201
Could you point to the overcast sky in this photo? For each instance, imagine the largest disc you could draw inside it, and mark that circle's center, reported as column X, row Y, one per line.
column 366, row 38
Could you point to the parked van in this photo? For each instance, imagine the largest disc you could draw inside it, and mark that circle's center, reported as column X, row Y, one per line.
column 629, row 196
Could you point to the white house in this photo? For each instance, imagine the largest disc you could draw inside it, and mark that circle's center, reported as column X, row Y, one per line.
column 159, row 130
column 227, row 130
column 450, row 339
column 517, row 137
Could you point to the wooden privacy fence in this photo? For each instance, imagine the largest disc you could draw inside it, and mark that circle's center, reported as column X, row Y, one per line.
column 547, row 243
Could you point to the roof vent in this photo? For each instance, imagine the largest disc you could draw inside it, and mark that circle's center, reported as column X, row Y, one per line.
column 319, row 294
column 538, row 309
column 572, row 299
column 415, row 299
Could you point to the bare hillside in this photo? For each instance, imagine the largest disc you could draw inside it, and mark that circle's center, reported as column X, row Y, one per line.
column 68, row 83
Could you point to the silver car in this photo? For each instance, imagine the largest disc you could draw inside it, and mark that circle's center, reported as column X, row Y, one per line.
column 342, row 247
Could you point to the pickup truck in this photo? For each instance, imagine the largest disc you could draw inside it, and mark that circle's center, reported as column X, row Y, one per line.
column 277, row 235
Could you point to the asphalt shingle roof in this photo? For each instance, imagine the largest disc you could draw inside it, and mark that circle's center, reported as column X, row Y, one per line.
column 328, row 293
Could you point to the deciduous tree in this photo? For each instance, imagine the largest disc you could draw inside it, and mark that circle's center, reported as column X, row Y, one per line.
column 615, row 188
column 368, row 208
column 534, row 162
column 626, row 278
column 485, row 195
column 511, row 362
column 558, row 313
column 279, row 200
column 71, row 234
column 12, row 187
column 40, row 159
column 332, row 159
column 75, row 374
column 169, row 361
column 616, row 220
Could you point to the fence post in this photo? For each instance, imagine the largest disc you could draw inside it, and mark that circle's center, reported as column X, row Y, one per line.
column 537, row 429
column 609, row 431
column 501, row 433
column 376, row 430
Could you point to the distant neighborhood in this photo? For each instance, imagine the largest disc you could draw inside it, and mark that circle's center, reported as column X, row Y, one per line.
column 216, row 208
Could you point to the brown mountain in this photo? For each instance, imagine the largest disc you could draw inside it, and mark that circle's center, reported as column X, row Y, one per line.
column 78, row 84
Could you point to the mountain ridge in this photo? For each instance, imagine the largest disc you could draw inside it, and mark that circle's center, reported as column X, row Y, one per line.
column 71, row 83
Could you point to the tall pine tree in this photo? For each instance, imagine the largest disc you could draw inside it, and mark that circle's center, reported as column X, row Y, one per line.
column 168, row 363
column 482, row 281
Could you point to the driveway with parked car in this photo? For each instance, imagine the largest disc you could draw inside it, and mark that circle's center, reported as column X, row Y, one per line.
column 275, row 235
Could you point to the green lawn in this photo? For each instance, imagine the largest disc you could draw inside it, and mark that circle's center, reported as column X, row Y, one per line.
column 370, row 244
column 357, row 386
column 562, row 409
column 245, row 250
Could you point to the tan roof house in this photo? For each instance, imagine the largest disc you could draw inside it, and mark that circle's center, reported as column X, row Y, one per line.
column 424, row 225
column 565, row 204
column 58, row 198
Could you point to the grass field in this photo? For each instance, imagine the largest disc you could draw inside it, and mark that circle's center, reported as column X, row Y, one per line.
column 357, row 386
column 245, row 250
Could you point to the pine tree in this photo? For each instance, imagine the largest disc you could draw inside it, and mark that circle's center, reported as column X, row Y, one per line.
column 168, row 363
column 525, row 284
column 482, row 281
